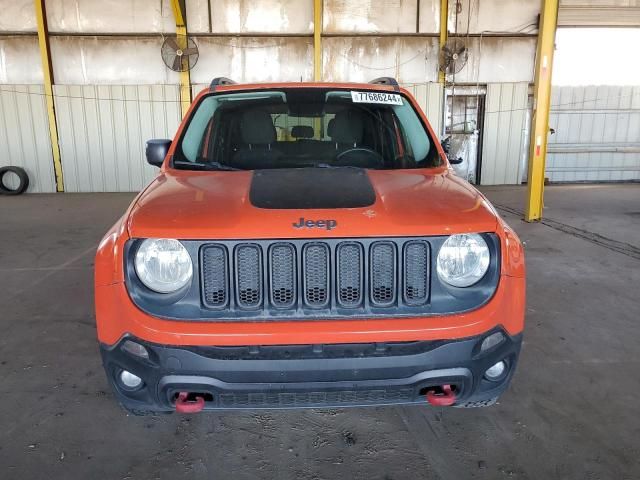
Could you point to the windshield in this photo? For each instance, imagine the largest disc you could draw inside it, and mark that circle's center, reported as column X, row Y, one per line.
column 297, row 128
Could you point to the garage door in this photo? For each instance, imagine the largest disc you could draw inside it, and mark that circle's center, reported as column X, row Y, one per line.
column 612, row 13
column 596, row 134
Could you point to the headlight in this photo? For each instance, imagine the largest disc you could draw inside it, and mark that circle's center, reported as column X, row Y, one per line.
column 463, row 260
column 163, row 265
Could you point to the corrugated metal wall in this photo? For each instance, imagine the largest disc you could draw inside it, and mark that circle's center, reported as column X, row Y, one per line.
column 103, row 129
column 429, row 96
column 24, row 134
column 505, row 133
column 596, row 135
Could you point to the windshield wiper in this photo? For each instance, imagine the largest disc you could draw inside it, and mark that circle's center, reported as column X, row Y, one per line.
column 204, row 166
column 326, row 165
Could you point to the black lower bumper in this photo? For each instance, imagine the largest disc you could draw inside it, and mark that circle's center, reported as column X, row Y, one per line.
column 299, row 376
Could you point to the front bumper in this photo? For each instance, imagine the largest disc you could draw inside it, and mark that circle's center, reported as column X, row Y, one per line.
column 304, row 376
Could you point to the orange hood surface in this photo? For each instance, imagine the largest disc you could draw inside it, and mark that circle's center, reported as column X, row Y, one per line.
column 216, row 205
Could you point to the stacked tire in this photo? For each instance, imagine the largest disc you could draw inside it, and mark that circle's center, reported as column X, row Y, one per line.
column 23, row 181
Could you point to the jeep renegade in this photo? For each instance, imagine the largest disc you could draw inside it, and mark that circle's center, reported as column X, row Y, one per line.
column 307, row 245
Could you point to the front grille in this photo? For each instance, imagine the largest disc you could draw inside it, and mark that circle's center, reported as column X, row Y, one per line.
column 300, row 277
column 313, row 279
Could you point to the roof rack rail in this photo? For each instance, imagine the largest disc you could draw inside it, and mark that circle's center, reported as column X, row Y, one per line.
column 220, row 81
column 386, row 81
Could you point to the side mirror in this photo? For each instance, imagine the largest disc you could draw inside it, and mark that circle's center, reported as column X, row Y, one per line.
column 156, row 151
column 455, row 161
column 446, row 144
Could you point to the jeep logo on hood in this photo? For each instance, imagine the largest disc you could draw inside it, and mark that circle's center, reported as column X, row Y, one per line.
column 326, row 224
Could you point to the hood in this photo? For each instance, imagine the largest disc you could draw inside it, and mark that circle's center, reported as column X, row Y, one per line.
column 222, row 205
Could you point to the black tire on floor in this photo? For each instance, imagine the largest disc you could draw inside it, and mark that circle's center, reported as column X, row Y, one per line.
column 22, row 176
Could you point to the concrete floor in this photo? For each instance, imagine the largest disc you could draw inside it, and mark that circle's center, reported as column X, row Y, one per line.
column 571, row 412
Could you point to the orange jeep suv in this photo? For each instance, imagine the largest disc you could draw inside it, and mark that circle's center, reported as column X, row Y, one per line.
column 307, row 245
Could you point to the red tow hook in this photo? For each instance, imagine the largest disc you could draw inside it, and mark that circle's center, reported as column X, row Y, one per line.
column 444, row 399
column 185, row 406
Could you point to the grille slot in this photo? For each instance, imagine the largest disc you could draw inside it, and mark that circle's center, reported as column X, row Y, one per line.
column 248, row 276
column 383, row 274
column 282, row 265
column 316, row 275
column 215, row 274
column 349, row 269
column 416, row 272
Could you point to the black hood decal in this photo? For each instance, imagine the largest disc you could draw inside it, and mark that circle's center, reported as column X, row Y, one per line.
column 311, row 188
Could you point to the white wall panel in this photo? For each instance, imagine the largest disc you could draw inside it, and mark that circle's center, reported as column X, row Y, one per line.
column 198, row 17
column 109, row 60
column 498, row 60
column 499, row 16
column 17, row 16
column 110, row 16
column 262, row 16
column 369, row 16
column 103, row 130
column 415, row 59
column 361, row 59
column 24, row 134
column 254, row 59
column 20, row 60
column 429, row 16
column 597, row 134
column 504, row 137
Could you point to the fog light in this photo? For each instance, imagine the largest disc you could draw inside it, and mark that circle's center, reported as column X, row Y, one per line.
column 135, row 349
column 130, row 380
column 491, row 341
column 496, row 371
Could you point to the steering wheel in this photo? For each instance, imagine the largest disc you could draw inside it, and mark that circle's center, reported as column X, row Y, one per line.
column 376, row 155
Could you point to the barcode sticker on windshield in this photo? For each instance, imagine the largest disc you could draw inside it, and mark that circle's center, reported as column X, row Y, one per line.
column 376, row 97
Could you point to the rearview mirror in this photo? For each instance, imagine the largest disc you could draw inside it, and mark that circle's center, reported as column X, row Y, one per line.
column 156, row 150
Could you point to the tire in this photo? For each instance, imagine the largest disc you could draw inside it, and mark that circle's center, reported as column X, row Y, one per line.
column 22, row 176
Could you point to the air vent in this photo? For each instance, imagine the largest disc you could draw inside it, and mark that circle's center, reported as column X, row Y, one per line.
column 215, row 274
column 248, row 276
column 316, row 275
column 282, row 271
column 416, row 273
column 349, row 284
column 383, row 274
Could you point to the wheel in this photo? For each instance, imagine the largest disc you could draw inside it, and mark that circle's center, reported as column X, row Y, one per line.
column 22, row 177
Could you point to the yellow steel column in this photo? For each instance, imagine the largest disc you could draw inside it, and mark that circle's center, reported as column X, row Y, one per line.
column 317, row 40
column 444, row 15
column 180, row 16
column 541, row 107
column 317, row 58
column 47, row 74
